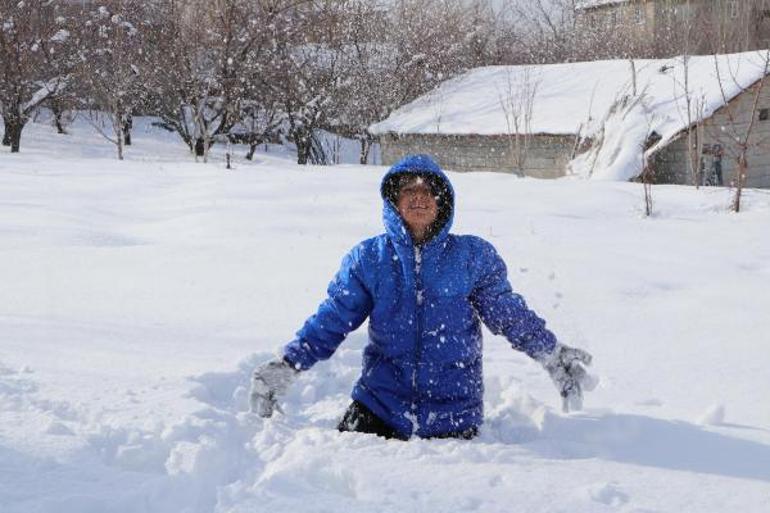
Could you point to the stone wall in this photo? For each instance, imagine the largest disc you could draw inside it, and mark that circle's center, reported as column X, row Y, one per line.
column 546, row 157
column 717, row 26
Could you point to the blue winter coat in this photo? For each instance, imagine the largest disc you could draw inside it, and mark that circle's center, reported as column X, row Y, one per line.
column 422, row 366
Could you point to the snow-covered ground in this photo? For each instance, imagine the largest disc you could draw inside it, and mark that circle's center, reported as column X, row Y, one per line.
column 136, row 296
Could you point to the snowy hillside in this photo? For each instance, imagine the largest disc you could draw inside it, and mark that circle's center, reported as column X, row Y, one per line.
column 136, row 297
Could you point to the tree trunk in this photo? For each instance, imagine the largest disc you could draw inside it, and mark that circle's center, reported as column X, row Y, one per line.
column 119, row 134
column 117, row 120
column 57, row 121
column 304, row 144
column 743, row 167
column 58, row 113
column 120, row 147
column 303, row 156
column 16, row 138
column 13, row 128
column 252, row 149
column 58, row 110
column 6, row 133
column 200, row 147
column 128, row 124
column 366, row 146
column 206, row 147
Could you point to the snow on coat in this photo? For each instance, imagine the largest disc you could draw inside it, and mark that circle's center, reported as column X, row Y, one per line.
column 422, row 367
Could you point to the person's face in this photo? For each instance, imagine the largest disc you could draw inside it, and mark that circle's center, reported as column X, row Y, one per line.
column 417, row 206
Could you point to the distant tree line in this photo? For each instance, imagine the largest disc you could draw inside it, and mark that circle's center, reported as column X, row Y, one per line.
column 252, row 71
column 241, row 70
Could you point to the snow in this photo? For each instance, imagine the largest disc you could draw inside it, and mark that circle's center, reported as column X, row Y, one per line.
column 138, row 295
column 715, row 414
column 60, row 36
column 573, row 95
column 626, row 129
column 579, row 98
column 45, row 90
column 620, row 155
column 590, row 4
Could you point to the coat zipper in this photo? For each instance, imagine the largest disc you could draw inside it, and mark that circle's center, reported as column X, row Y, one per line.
column 420, row 298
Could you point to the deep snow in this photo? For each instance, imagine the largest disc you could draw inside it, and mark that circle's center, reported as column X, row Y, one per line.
column 136, row 297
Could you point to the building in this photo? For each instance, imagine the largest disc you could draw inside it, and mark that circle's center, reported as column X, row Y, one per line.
column 683, row 26
column 603, row 119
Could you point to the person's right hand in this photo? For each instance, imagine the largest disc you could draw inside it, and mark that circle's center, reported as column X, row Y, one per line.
column 268, row 384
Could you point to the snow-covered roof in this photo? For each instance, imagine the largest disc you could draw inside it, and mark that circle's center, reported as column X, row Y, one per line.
column 573, row 97
column 590, row 4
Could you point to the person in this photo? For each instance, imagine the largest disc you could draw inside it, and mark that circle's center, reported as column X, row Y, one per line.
column 716, row 166
column 425, row 292
column 714, row 176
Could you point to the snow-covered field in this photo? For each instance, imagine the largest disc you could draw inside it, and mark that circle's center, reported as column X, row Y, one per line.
column 136, row 296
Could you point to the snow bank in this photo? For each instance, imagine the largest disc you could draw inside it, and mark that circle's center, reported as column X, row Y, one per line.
column 137, row 296
column 618, row 151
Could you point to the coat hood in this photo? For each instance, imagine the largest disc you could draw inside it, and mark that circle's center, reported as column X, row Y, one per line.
column 427, row 168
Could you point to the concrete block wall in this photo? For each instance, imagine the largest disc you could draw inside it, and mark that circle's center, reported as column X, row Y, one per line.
column 547, row 155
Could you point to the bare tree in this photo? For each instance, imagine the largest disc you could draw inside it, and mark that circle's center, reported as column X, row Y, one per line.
column 259, row 123
column 545, row 30
column 692, row 117
column 395, row 51
column 562, row 30
column 648, row 175
column 517, row 100
column 739, row 132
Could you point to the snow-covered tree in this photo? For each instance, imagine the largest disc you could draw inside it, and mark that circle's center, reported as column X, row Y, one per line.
column 396, row 51
column 36, row 59
column 110, row 73
column 258, row 123
column 305, row 70
column 214, row 68
column 205, row 59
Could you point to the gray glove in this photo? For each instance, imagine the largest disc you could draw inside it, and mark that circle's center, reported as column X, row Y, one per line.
column 565, row 366
column 268, row 384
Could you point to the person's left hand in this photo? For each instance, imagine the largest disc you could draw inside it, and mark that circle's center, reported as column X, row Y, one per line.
column 565, row 365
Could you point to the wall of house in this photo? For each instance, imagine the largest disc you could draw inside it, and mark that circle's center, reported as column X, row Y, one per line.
column 630, row 13
column 671, row 163
column 636, row 18
column 546, row 157
column 725, row 26
column 721, row 26
column 740, row 110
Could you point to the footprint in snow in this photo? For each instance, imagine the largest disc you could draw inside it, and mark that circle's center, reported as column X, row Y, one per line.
column 609, row 494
